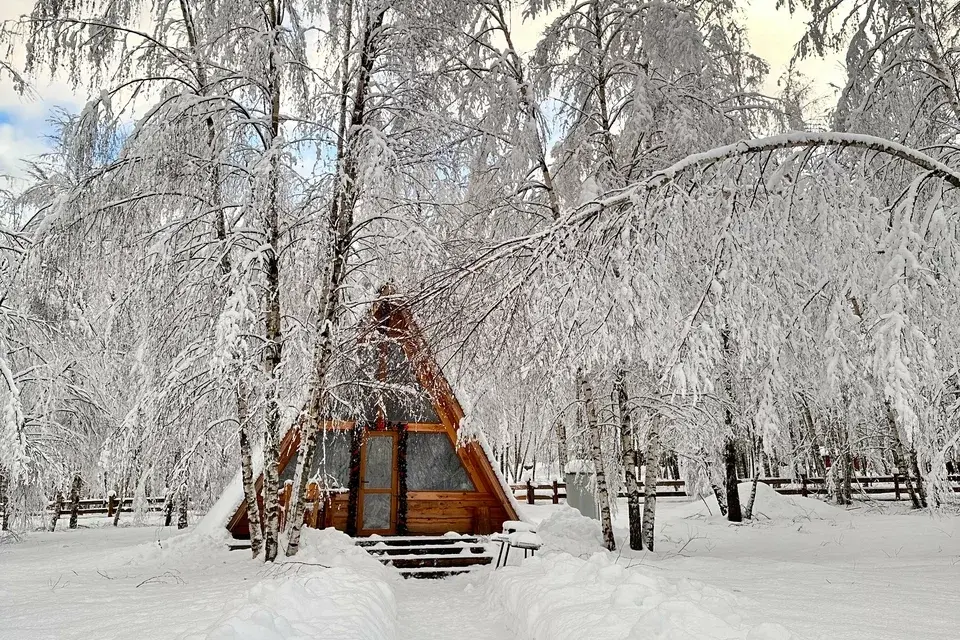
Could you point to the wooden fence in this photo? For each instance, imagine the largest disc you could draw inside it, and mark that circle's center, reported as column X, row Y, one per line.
column 108, row 507
column 863, row 485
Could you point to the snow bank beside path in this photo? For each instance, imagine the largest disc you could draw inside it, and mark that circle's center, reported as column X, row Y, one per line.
column 332, row 590
column 576, row 590
column 560, row 597
column 335, row 604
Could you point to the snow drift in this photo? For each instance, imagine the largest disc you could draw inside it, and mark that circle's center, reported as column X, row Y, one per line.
column 332, row 590
column 560, row 597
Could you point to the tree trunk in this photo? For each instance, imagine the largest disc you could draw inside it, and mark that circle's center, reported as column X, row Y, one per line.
column 75, row 500
column 353, row 484
column 818, row 467
column 168, row 507
column 899, row 454
column 4, row 503
column 921, row 492
column 758, row 453
column 221, row 230
column 734, row 513
column 246, row 469
column 847, row 488
column 273, row 344
column 57, row 506
column 402, row 480
column 629, row 453
column 603, row 495
column 182, row 507
column 121, row 495
column 731, row 480
column 340, row 224
column 650, row 477
column 561, row 447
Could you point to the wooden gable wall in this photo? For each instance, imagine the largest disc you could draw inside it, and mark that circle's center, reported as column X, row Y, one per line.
column 482, row 511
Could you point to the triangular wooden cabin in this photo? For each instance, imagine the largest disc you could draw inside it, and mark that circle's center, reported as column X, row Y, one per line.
column 397, row 470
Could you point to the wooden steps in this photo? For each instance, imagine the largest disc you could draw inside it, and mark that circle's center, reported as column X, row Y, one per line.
column 428, row 557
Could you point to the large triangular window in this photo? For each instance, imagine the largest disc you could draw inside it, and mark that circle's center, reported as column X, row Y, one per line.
column 433, row 464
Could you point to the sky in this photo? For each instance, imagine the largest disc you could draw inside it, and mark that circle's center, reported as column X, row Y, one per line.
column 24, row 127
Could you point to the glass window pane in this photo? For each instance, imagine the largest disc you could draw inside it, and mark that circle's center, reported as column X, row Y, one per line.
column 376, row 510
column 331, row 461
column 379, row 464
column 433, row 464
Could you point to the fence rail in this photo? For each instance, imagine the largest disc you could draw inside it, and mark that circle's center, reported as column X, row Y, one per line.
column 868, row 485
column 107, row 505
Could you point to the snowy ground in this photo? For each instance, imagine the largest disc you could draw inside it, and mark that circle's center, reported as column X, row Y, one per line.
column 806, row 570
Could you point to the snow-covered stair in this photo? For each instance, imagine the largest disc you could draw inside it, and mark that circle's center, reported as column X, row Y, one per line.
column 428, row 557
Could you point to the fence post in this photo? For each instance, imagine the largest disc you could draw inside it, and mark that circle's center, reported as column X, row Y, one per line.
column 531, row 497
column 556, row 493
column 803, row 486
column 896, row 486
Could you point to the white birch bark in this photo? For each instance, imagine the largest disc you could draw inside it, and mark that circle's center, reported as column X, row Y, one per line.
column 603, row 494
column 650, row 478
column 562, row 451
column 629, row 458
column 182, row 506
column 75, row 488
column 273, row 345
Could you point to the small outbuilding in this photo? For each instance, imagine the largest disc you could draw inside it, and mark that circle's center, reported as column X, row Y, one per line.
column 395, row 465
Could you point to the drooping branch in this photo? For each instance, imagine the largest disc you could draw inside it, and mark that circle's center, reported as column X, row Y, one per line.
column 588, row 212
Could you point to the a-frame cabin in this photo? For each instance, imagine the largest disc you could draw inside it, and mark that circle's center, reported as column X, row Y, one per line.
column 398, row 470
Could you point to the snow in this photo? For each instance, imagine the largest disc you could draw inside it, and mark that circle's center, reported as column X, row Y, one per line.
column 875, row 571
column 218, row 517
column 558, row 596
column 344, row 594
column 568, row 531
column 803, row 570
column 768, row 505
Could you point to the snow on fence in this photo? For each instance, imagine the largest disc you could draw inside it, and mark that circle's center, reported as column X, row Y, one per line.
column 108, row 506
column 881, row 487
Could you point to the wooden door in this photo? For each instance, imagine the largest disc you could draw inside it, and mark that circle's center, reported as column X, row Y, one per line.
column 378, row 484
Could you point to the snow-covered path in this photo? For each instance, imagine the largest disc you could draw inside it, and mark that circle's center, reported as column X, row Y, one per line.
column 445, row 610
